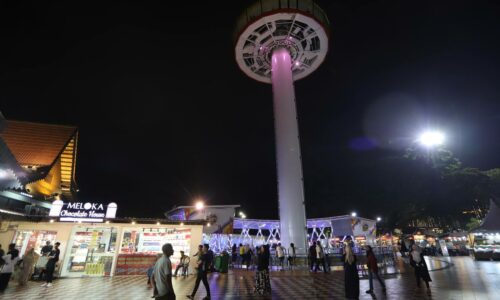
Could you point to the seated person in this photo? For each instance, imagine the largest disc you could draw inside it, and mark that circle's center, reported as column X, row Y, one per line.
column 183, row 263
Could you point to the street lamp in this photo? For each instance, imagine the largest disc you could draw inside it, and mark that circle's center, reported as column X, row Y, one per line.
column 353, row 214
column 431, row 139
column 199, row 205
column 379, row 219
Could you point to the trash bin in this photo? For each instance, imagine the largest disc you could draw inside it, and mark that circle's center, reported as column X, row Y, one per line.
column 217, row 263
column 223, row 263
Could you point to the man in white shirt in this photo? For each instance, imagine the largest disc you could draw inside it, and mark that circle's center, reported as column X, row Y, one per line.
column 10, row 260
column 183, row 263
column 280, row 252
column 320, row 257
column 291, row 255
column 162, row 275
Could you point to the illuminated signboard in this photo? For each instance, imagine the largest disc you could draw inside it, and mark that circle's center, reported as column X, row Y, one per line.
column 82, row 212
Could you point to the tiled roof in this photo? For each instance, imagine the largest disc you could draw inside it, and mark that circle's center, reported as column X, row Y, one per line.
column 36, row 143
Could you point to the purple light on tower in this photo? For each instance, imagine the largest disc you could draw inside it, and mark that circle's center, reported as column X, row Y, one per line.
column 270, row 36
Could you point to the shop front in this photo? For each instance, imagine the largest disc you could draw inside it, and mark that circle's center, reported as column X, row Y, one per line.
column 27, row 235
column 91, row 251
column 103, row 249
column 141, row 246
column 27, row 239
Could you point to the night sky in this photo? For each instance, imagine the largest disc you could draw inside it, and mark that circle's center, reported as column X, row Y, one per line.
column 165, row 115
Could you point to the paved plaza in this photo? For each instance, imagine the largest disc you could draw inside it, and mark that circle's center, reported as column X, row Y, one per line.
column 453, row 278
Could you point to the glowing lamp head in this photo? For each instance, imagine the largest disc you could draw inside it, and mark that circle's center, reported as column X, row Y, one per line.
column 379, row 219
column 199, row 205
column 431, row 139
column 353, row 214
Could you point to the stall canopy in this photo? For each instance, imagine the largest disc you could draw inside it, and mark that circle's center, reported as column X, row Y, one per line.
column 492, row 220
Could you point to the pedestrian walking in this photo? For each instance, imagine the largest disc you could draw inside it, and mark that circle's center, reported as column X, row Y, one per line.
column 242, row 255
column 403, row 248
column 42, row 261
column 162, row 275
column 203, row 267
column 417, row 261
column 351, row 277
column 312, row 256
column 28, row 265
column 371, row 262
column 292, row 255
column 150, row 273
column 10, row 260
column 2, row 253
column 320, row 258
column 262, row 281
column 234, row 255
column 248, row 255
column 51, row 264
column 280, row 253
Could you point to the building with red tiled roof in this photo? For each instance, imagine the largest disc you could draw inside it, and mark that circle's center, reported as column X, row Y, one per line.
column 37, row 164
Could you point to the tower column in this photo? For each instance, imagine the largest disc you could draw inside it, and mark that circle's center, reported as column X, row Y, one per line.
column 289, row 166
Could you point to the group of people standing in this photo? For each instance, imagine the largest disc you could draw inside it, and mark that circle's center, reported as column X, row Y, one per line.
column 26, row 264
column 316, row 257
column 161, row 275
column 351, row 278
column 245, row 256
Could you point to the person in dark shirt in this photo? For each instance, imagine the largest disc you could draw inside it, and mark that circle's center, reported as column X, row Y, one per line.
column 44, row 252
column 51, row 264
column 46, row 249
column 262, row 281
column 204, row 265
column 312, row 256
column 2, row 253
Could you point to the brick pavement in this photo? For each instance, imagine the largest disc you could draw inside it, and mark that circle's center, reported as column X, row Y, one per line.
column 457, row 278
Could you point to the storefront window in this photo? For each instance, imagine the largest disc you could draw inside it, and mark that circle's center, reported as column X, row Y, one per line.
column 140, row 246
column 92, row 252
column 28, row 239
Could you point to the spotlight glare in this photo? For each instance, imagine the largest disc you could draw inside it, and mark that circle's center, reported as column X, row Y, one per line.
column 431, row 138
column 199, row 205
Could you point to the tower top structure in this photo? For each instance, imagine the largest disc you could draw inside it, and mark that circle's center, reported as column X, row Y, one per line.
column 300, row 26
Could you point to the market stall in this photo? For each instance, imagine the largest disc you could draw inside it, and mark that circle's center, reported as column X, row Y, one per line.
column 486, row 238
column 456, row 243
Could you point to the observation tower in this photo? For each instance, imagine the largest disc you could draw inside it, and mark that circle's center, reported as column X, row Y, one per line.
column 278, row 42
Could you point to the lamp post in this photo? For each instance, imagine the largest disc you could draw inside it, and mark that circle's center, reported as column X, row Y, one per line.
column 379, row 219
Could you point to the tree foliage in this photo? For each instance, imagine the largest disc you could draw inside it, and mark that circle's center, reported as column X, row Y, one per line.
column 472, row 224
